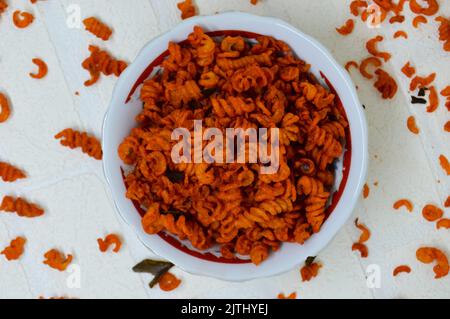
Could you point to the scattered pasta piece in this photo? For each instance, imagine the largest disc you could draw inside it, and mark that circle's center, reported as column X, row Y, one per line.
column 404, row 203
column 97, row 28
column 432, row 213
column 371, row 46
column 365, row 232
column 362, row 249
column 412, row 126
column 74, row 139
column 431, row 9
column 421, row 82
column 408, row 70
column 397, row 19
column 169, row 282
column 400, row 33
column 9, row 173
column 427, row 255
column 5, row 110
column 3, row 6
column 444, row 164
column 350, row 64
column 446, row 93
column 100, row 62
column 43, row 69
column 109, row 240
column 254, row 2
column 447, row 202
column 366, row 191
column 291, row 296
column 187, row 9
column 401, row 269
column 444, row 32
column 365, row 63
column 356, row 5
column 385, row 84
column 433, row 100
column 15, row 249
column 57, row 260
column 417, row 20
column 310, row 271
column 347, row 28
column 21, row 207
column 443, row 223
column 22, row 19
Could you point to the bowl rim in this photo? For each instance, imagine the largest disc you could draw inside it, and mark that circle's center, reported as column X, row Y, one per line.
column 362, row 122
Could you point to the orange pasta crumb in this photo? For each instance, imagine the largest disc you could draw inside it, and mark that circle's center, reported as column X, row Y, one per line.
column 42, row 71
column 187, row 9
column 109, row 240
column 362, row 249
column 447, row 126
column 9, row 173
column 22, row 19
column 365, row 63
column 365, row 232
column 15, row 249
column 443, row 223
column 57, row 260
column 347, row 28
column 427, row 255
column 254, row 2
column 385, row 84
column 74, row 139
column 5, row 110
column 371, row 46
column 417, row 20
column 169, row 282
column 446, row 93
column 444, row 164
column 404, row 203
column 309, row 272
column 401, row 269
column 432, row 213
column 400, row 33
column 431, row 9
column 447, row 202
column 433, row 100
column 408, row 70
column 291, row 296
column 444, row 32
column 366, row 191
column 97, row 28
column 21, row 207
column 421, row 82
column 350, row 64
column 356, row 5
column 3, row 6
column 397, row 19
column 412, row 126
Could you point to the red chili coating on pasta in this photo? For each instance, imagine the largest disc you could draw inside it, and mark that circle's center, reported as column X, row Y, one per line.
column 57, row 260
column 43, row 69
column 443, row 223
column 15, row 249
column 9, row 173
column 97, row 28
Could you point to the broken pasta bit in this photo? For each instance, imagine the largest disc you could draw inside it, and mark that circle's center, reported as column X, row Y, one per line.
column 427, row 255
column 15, row 249
column 109, row 240
column 21, row 207
column 57, row 260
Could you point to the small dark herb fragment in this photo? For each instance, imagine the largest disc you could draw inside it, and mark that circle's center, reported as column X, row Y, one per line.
column 364, row 107
column 310, row 260
column 422, row 91
column 417, row 100
column 155, row 267
column 175, row 176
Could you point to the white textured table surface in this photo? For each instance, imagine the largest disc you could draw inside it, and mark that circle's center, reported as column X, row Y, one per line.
column 79, row 207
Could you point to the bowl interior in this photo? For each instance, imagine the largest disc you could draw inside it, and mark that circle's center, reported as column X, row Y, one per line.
column 125, row 105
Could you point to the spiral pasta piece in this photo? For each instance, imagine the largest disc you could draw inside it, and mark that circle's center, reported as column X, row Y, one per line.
column 111, row 239
column 21, row 207
column 444, row 31
column 187, row 9
column 385, row 84
column 9, row 173
column 22, row 19
column 75, row 139
column 57, row 260
column 97, row 28
column 15, row 249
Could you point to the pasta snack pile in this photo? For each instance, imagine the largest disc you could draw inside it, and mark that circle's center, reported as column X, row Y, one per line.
column 231, row 82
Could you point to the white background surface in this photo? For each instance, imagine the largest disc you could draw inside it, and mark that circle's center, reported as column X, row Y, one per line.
column 79, row 209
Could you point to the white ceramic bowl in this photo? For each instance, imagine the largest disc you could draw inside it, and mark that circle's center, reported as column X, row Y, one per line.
column 120, row 119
